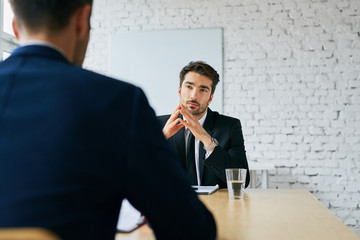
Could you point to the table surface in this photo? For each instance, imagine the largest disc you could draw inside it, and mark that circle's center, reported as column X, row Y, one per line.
column 267, row 214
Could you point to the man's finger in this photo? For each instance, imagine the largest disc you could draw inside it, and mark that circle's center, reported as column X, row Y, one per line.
column 174, row 115
column 187, row 114
column 185, row 123
column 175, row 122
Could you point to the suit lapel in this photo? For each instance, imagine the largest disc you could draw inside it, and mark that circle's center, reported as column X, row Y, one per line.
column 208, row 126
column 201, row 160
column 179, row 143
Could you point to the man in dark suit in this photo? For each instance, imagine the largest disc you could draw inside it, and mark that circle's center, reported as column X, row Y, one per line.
column 215, row 141
column 74, row 143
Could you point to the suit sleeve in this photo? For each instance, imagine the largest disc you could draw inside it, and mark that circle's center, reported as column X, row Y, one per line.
column 156, row 183
column 230, row 153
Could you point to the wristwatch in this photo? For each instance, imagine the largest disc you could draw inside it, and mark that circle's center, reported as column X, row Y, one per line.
column 212, row 145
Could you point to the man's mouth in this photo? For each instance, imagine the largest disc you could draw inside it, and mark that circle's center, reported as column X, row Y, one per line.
column 192, row 104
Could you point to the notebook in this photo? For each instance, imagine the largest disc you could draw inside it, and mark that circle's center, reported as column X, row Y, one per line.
column 206, row 190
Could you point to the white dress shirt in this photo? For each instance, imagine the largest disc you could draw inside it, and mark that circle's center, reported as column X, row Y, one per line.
column 197, row 145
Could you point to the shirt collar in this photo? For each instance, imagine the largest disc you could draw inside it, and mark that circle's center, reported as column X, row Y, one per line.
column 201, row 120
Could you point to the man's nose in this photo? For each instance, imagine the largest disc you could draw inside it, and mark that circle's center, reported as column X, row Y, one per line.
column 194, row 94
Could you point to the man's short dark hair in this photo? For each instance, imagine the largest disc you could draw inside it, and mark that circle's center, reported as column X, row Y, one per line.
column 203, row 69
column 52, row 15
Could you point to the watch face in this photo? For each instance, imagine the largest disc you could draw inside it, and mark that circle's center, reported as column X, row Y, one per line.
column 213, row 144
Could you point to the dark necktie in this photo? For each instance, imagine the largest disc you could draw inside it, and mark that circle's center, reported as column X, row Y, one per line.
column 190, row 160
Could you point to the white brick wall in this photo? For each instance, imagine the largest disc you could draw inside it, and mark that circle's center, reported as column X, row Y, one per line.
column 291, row 74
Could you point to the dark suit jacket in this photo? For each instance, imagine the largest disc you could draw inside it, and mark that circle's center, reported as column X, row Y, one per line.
column 74, row 143
column 229, row 154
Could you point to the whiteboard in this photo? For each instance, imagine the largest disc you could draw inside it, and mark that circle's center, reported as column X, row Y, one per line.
column 153, row 60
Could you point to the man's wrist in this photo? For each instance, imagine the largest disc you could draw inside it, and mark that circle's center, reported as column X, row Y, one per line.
column 212, row 145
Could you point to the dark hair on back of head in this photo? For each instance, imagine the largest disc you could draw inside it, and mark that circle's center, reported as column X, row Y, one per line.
column 52, row 15
column 203, row 69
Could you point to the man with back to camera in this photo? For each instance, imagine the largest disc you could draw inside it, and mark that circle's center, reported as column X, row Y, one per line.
column 74, row 143
column 217, row 139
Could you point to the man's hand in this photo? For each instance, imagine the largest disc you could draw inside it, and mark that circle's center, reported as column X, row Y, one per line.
column 195, row 127
column 173, row 124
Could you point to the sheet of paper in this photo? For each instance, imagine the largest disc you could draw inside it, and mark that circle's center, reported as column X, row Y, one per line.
column 129, row 217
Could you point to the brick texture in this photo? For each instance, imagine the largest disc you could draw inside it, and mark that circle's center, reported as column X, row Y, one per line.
column 291, row 75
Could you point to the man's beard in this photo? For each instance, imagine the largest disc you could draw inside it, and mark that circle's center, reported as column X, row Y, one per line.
column 201, row 110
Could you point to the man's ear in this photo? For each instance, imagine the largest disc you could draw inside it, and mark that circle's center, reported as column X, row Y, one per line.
column 82, row 21
column 179, row 91
column 211, row 98
column 15, row 29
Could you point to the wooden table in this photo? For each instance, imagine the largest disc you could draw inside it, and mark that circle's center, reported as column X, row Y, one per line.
column 267, row 214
